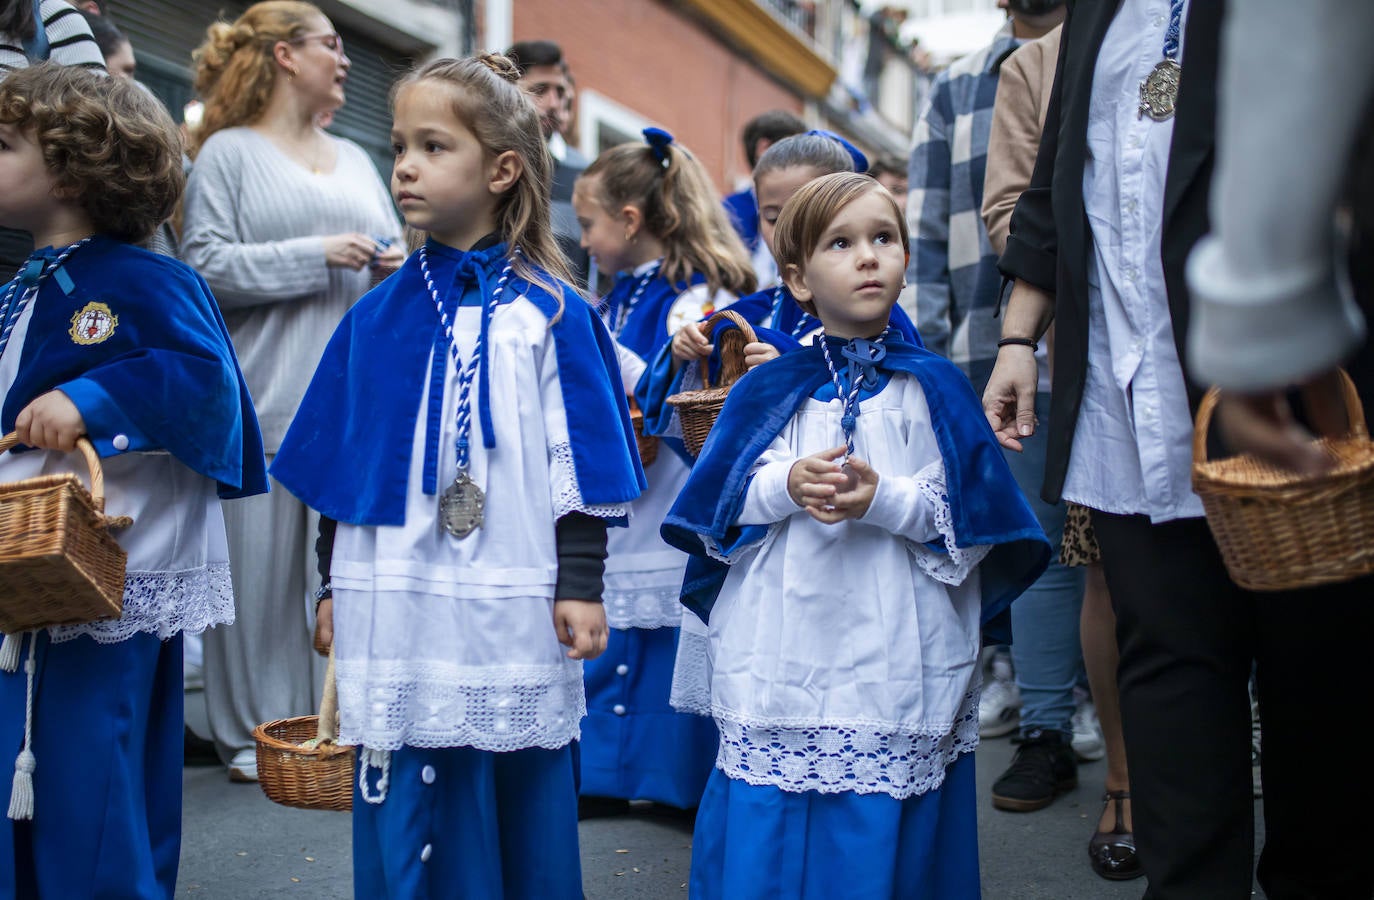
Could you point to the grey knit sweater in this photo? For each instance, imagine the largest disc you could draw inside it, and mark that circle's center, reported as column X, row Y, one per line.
column 254, row 226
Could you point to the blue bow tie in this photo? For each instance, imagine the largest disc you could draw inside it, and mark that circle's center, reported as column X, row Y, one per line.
column 864, row 356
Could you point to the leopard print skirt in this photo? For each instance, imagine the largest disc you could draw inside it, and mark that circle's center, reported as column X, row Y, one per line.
column 1080, row 544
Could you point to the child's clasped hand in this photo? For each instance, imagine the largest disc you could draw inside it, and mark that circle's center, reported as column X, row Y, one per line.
column 829, row 493
column 581, row 626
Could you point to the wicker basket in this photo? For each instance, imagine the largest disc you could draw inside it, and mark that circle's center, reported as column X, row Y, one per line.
column 59, row 564
column 319, row 777
column 648, row 444
column 697, row 410
column 1278, row 530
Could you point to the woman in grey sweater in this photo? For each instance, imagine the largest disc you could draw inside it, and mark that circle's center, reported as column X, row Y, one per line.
column 281, row 220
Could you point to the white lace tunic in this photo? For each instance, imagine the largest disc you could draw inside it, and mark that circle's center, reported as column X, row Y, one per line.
column 441, row 642
column 177, row 578
column 844, row 657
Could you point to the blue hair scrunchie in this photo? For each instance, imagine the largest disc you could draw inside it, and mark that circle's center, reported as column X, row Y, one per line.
column 658, row 141
column 855, row 154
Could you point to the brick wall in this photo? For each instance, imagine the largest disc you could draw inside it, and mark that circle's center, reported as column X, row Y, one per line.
column 653, row 59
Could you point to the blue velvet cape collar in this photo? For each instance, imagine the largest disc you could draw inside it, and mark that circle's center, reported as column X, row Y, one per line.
column 985, row 502
column 347, row 452
column 774, row 308
column 166, row 377
column 646, row 327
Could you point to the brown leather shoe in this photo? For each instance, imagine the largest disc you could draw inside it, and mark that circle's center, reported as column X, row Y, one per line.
column 1112, row 853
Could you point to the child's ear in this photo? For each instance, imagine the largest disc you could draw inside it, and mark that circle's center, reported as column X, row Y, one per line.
column 795, row 279
column 506, row 170
column 633, row 217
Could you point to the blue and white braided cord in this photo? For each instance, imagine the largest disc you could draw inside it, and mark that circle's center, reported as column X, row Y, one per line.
column 11, row 316
column 466, row 373
column 849, row 412
column 1173, row 33
column 623, row 314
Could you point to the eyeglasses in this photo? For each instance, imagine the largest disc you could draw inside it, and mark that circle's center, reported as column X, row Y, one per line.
column 331, row 41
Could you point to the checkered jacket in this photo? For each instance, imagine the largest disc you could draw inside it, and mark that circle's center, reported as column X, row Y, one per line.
column 953, row 267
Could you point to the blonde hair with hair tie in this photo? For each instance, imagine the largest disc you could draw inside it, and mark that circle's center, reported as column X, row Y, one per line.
column 236, row 67
column 488, row 102
column 680, row 208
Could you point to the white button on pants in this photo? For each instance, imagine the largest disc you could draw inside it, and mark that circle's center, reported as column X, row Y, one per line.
column 427, row 774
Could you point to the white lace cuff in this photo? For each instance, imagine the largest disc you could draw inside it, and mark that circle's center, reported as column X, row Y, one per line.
column 164, row 604
column 386, row 704
column 833, row 757
column 954, row 565
column 691, row 690
column 567, row 496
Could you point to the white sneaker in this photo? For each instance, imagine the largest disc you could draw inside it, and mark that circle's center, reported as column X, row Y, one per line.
column 244, row 766
column 1088, row 743
column 999, row 706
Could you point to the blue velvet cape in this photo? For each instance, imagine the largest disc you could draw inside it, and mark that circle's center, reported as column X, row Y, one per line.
column 775, row 308
column 986, row 505
column 347, row 452
column 165, row 377
column 774, row 315
column 646, row 326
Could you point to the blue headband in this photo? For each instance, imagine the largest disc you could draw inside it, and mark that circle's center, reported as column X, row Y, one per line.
column 855, row 154
column 658, row 141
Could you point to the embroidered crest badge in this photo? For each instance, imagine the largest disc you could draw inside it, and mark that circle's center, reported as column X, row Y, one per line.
column 93, row 324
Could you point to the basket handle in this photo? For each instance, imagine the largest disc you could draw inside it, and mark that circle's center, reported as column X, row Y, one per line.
column 1354, row 411
column 325, row 730
column 92, row 463
column 731, row 369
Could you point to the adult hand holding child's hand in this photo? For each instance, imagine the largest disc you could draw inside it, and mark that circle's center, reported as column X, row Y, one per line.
column 51, row 422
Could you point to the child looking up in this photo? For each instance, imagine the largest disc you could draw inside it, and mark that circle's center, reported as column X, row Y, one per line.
column 487, row 444
column 648, row 210
column 849, row 488
column 125, row 347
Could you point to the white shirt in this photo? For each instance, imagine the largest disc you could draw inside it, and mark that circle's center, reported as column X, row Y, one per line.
column 1132, row 452
column 441, row 642
column 843, row 658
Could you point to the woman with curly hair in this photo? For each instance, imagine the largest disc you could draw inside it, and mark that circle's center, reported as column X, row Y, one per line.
column 288, row 225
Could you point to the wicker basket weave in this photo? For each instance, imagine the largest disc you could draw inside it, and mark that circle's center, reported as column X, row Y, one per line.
column 697, row 410
column 59, row 564
column 648, row 444
column 319, row 777
column 1278, row 530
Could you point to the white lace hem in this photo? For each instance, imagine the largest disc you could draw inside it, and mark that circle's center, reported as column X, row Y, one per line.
column 714, row 552
column 164, row 604
column 853, row 756
column 691, row 689
column 648, row 607
column 568, row 496
column 954, row 566
column 384, row 706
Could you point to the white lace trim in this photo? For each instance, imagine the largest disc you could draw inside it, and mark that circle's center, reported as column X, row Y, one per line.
column 567, row 494
column 953, row 567
column 691, row 690
column 649, row 607
column 714, row 552
column 831, row 757
column 163, row 603
column 384, row 705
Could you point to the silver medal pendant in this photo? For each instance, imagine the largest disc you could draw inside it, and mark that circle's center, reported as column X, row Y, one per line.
column 461, row 506
column 1159, row 91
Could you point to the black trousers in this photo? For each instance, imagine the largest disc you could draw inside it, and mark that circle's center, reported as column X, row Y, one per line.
column 1188, row 637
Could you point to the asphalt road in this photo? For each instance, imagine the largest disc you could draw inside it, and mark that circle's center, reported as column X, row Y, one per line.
column 237, row 844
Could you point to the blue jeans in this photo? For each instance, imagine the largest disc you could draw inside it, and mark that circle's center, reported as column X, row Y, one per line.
column 1045, row 650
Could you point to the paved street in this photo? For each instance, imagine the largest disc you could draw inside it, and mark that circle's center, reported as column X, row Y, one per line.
column 237, row 844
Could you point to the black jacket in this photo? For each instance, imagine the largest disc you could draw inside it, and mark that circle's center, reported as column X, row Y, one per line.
column 1050, row 239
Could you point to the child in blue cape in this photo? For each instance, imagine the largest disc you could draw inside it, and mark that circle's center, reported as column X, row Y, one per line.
column 780, row 325
column 853, row 528
column 648, row 210
column 103, row 339
column 467, row 431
